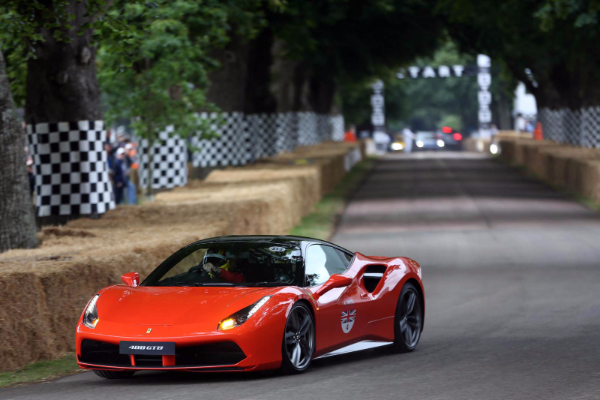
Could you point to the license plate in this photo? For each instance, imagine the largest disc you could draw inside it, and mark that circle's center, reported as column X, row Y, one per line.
column 148, row 348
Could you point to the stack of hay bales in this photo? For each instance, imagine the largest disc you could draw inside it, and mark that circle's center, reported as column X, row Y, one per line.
column 574, row 168
column 43, row 291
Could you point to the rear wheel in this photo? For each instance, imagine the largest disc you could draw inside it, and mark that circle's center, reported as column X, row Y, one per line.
column 298, row 344
column 409, row 319
column 114, row 374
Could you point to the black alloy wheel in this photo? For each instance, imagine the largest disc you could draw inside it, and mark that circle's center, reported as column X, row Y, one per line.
column 298, row 344
column 114, row 374
column 409, row 319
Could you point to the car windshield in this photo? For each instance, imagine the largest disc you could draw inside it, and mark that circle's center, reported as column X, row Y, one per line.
column 229, row 264
column 425, row 135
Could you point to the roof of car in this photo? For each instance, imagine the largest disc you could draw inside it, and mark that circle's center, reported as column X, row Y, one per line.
column 268, row 238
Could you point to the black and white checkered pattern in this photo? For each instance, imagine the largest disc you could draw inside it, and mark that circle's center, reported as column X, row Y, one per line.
column 233, row 147
column 246, row 138
column 71, row 172
column 590, row 127
column 169, row 161
column 287, row 131
column 271, row 134
column 324, row 127
column 308, row 133
column 337, row 127
column 262, row 130
column 576, row 127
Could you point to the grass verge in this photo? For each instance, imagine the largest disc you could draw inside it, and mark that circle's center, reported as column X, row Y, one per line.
column 40, row 371
column 321, row 223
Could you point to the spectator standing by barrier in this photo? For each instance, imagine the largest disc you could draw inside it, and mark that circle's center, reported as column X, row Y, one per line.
column 520, row 123
column 407, row 136
column 131, row 162
column 350, row 135
column 529, row 126
column 119, row 177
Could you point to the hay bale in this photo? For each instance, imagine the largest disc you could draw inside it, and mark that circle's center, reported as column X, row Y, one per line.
column 305, row 181
column 590, row 179
column 535, row 159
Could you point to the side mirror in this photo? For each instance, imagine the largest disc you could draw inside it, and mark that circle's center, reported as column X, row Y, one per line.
column 131, row 279
column 334, row 281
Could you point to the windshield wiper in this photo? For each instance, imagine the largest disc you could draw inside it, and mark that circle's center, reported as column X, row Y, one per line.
column 268, row 284
column 210, row 284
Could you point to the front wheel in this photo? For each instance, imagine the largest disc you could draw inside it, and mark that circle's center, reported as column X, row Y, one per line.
column 409, row 319
column 114, row 374
column 298, row 344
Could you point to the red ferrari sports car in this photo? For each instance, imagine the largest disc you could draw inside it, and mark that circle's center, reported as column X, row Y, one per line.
column 249, row 303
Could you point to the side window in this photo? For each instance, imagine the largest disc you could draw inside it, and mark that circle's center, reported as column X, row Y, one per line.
column 346, row 258
column 321, row 263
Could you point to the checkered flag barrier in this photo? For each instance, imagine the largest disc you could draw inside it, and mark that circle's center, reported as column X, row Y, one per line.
column 577, row 127
column 590, row 127
column 246, row 138
column 233, row 147
column 262, row 132
column 308, row 132
column 70, row 167
column 337, row 127
column 287, row 132
column 168, row 156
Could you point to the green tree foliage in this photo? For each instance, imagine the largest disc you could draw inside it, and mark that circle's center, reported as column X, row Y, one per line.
column 350, row 42
column 554, row 40
column 357, row 38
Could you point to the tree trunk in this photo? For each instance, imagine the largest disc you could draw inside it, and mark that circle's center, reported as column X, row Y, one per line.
column 258, row 97
column 17, row 221
column 503, row 105
column 283, row 87
column 322, row 91
column 61, row 80
column 301, row 101
column 227, row 84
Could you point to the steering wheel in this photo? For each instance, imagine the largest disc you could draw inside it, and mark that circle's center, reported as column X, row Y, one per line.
column 197, row 268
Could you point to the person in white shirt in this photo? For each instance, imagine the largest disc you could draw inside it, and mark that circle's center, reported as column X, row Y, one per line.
column 408, row 137
column 520, row 123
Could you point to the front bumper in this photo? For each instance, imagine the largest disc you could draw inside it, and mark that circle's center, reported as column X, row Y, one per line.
column 221, row 356
column 246, row 348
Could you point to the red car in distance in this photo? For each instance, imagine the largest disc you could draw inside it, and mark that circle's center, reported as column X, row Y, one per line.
column 249, row 303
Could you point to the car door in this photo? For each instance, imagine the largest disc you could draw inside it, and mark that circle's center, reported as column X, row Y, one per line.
column 339, row 319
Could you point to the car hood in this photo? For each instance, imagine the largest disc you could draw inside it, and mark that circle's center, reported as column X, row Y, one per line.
column 201, row 307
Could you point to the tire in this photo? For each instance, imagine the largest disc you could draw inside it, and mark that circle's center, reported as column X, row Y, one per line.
column 114, row 374
column 298, row 344
column 408, row 322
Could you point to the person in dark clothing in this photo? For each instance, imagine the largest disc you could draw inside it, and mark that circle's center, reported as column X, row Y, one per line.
column 119, row 178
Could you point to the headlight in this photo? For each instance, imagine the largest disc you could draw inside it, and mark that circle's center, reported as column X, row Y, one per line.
column 242, row 316
column 494, row 148
column 90, row 316
column 419, row 143
column 397, row 146
column 440, row 143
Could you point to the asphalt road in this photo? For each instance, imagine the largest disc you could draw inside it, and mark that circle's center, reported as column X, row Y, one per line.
column 512, row 279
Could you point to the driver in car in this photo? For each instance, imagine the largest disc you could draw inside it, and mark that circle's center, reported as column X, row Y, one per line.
column 217, row 265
